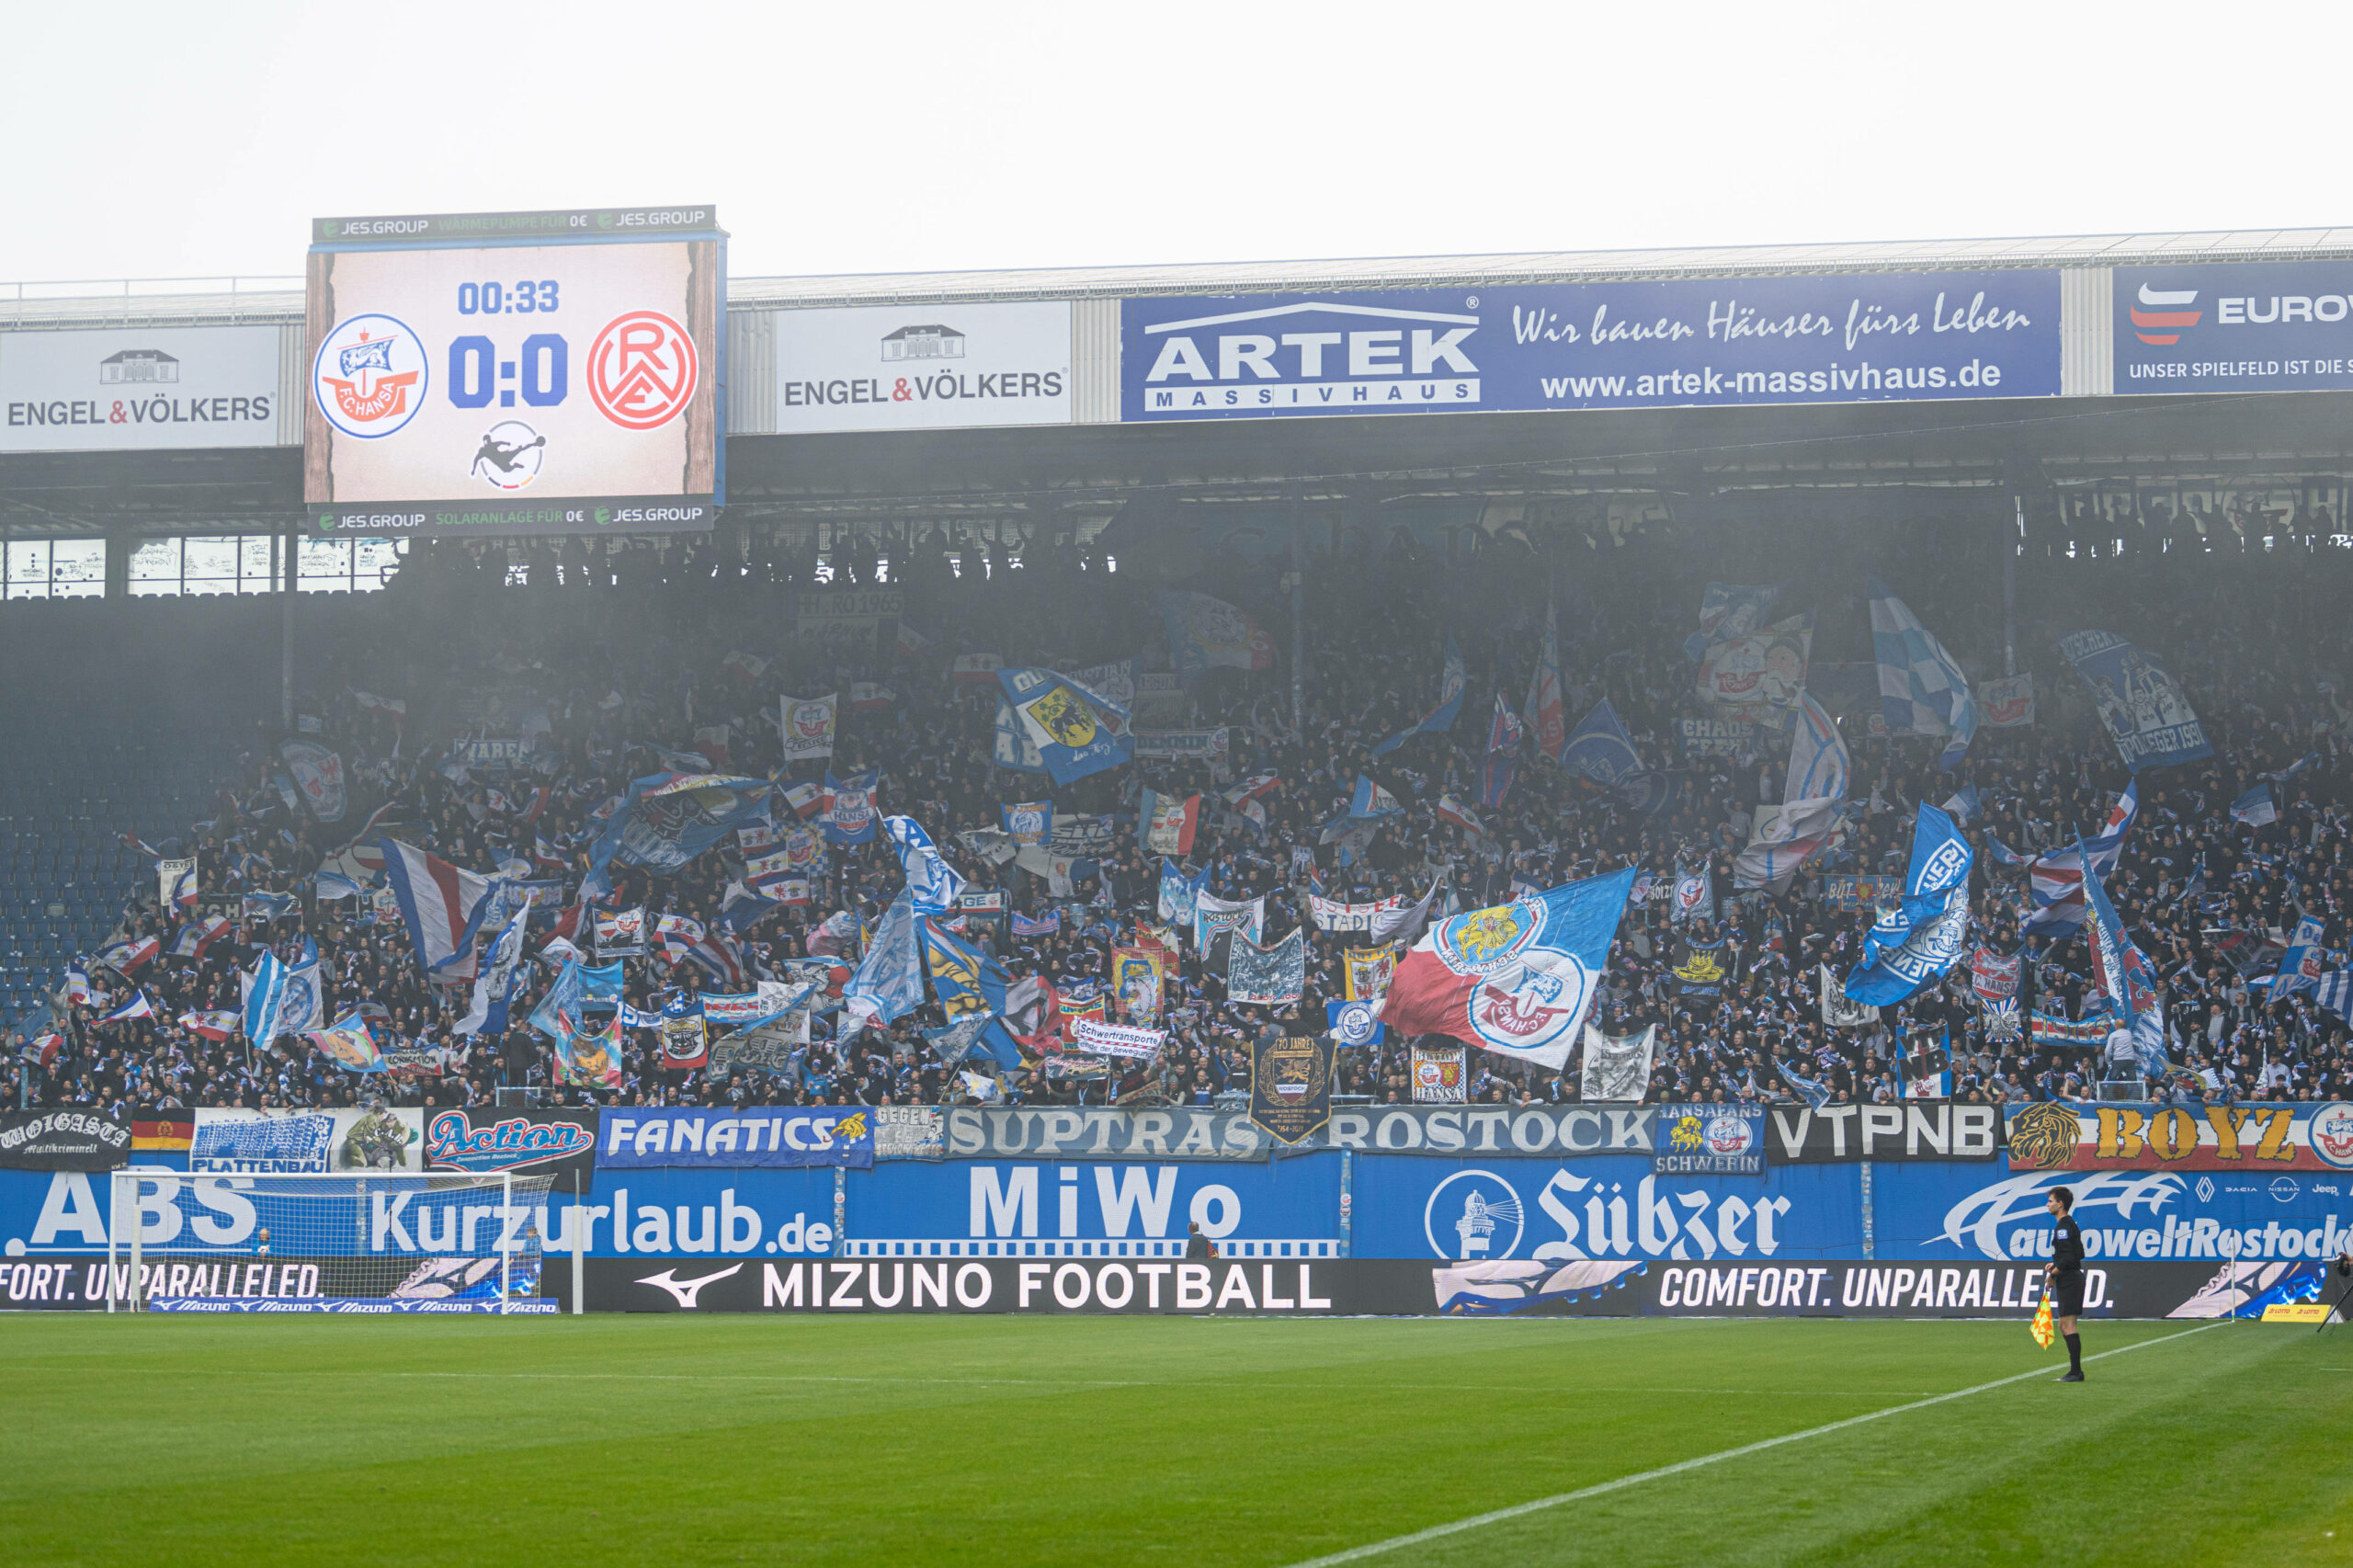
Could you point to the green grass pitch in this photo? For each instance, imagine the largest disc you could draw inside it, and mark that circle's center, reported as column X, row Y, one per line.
column 1080, row 1440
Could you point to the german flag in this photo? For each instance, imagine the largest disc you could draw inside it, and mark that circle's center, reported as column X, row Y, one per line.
column 162, row 1130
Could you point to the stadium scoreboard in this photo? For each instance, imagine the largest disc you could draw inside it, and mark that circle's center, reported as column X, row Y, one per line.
column 516, row 372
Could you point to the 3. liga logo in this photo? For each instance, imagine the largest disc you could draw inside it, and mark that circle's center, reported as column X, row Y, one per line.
column 370, row 376
column 641, row 371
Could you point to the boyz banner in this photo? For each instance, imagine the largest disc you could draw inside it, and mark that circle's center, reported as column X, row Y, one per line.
column 1631, row 344
column 2142, row 704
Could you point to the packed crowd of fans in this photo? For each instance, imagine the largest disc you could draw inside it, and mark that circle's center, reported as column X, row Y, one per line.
column 617, row 666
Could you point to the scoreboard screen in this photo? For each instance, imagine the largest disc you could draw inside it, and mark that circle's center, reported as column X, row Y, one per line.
column 516, row 372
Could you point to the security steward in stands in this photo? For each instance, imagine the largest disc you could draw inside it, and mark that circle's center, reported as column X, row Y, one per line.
column 2064, row 1276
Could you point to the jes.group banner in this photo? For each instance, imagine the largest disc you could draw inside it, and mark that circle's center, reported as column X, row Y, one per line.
column 1708, row 342
column 530, row 373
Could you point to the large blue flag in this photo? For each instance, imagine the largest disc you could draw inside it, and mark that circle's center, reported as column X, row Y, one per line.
column 1925, row 935
column 670, row 818
column 932, row 882
column 2123, row 977
column 1439, row 720
column 2139, row 702
column 1921, row 688
column 888, row 983
column 1076, row 731
column 1600, row 749
column 964, row 979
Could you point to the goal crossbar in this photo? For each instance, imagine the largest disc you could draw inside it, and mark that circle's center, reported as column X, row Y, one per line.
column 372, row 1241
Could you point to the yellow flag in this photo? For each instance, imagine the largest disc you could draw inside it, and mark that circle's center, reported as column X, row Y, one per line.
column 2044, row 1329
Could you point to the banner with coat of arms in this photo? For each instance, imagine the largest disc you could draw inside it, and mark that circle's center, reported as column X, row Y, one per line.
column 1291, row 1085
column 1516, row 979
column 1439, row 1077
column 806, row 725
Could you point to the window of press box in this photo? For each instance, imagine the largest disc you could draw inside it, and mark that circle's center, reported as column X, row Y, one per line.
column 53, row 568
column 249, row 564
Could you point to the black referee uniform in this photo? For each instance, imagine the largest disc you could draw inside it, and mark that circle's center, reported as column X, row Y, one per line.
column 2067, row 1285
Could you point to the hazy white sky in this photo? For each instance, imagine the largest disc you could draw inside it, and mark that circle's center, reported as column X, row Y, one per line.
column 145, row 138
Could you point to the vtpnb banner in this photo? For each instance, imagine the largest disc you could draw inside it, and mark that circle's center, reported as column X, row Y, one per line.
column 520, row 372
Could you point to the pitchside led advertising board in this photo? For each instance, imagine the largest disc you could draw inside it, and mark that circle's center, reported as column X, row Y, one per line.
column 1683, row 343
column 922, row 367
column 515, row 373
column 130, row 389
column 2234, row 326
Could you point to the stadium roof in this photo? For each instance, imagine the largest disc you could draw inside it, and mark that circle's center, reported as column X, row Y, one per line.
column 180, row 301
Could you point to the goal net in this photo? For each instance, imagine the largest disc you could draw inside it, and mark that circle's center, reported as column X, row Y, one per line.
column 346, row 1241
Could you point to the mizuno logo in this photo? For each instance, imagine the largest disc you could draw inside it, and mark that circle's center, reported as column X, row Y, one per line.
column 685, row 1290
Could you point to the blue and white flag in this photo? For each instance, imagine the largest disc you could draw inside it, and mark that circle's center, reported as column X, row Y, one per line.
column 264, row 1000
column 2141, row 704
column 1012, row 747
column 1440, row 719
column 2256, row 808
column 1921, row 687
column 888, row 983
column 1205, row 633
column 1728, row 611
column 1372, row 800
column 1927, row 933
column 668, row 819
column 1354, row 1023
column 1964, row 803
column 2305, row 961
column 964, row 979
column 1600, row 749
column 303, row 1006
column 1814, row 1091
column 318, row 773
column 2123, row 977
column 2334, row 993
column 846, row 811
column 496, row 976
column 1075, row 730
column 332, row 885
column 137, row 1007
column 932, row 882
column 1818, row 767
column 1179, row 893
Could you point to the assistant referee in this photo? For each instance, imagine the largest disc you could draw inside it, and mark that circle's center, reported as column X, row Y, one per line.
column 2064, row 1277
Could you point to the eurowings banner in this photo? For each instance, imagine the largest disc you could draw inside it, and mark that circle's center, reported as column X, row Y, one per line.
column 2140, row 704
column 1517, row 979
column 1632, row 343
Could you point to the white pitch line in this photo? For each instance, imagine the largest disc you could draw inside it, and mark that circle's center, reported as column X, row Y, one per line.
column 1434, row 1532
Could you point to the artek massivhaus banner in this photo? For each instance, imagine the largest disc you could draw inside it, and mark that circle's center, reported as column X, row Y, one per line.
column 1688, row 342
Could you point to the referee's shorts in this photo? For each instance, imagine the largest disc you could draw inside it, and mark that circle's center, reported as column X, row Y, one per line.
column 2067, row 1294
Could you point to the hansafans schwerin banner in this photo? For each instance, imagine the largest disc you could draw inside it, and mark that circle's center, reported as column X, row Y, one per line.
column 1516, row 979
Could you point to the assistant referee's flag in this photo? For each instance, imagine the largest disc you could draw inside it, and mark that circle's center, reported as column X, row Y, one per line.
column 2044, row 1329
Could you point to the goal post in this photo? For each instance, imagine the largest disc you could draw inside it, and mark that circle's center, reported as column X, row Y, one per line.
column 342, row 1241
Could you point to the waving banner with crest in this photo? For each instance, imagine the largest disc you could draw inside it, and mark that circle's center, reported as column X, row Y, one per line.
column 1517, row 979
